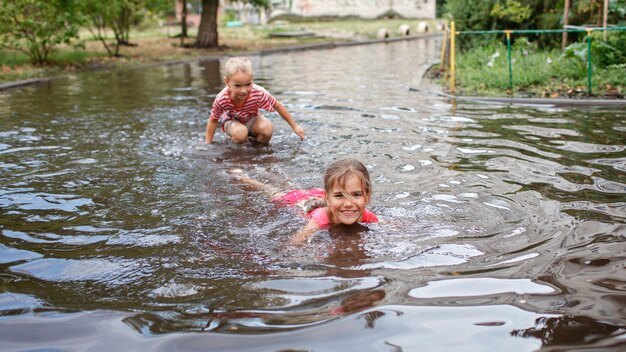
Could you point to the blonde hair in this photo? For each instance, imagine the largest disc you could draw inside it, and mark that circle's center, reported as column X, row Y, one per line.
column 238, row 64
column 337, row 173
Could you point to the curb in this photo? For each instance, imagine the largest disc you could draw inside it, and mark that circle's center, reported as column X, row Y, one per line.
column 531, row 101
column 25, row 82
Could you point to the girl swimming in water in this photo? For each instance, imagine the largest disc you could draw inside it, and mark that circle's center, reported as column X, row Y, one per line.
column 347, row 191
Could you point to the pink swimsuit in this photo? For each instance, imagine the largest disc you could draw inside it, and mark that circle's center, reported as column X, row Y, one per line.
column 319, row 215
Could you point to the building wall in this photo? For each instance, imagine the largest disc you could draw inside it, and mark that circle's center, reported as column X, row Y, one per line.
column 367, row 9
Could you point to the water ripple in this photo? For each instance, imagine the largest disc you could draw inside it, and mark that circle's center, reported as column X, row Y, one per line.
column 43, row 201
column 478, row 287
column 113, row 272
column 10, row 255
column 109, row 199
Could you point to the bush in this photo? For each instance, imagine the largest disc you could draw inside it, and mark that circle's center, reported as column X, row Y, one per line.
column 35, row 27
column 603, row 53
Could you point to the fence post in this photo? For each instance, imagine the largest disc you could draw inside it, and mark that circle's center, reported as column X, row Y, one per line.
column 508, row 48
column 452, row 58
column 589, row 73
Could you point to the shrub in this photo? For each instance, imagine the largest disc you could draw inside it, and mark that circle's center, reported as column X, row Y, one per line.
column 35, row 27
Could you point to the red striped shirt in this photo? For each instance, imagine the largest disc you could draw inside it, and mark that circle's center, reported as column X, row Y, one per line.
column 224, row 109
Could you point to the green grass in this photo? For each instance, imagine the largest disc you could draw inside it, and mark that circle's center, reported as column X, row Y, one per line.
column 484, row 71
column 16, row 65
column 68, row 58
column 12, row 58
column 62, row 58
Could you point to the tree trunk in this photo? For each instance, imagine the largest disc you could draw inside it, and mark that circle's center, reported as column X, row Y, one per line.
column 565, row 23
column 601, row 12
column 605, row 14
column 183, row 21
column 207, row 32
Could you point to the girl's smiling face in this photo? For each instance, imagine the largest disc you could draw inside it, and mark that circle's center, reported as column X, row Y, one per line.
column 346, row 206
column 240, row 85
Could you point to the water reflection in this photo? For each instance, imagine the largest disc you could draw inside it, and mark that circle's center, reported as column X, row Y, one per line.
column 211, row 75
column 569, row 331
column 335, row 289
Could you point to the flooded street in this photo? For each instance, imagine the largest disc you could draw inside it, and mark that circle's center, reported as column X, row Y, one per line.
column 505, row 226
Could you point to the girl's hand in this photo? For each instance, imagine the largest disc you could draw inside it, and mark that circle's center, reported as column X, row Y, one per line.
column 303, row 235
column 298, row 239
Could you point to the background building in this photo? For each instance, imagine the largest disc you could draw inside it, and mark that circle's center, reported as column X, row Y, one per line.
column 366, row 9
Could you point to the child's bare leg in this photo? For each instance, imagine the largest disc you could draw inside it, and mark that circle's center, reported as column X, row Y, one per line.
column 237, row 131
column 270, row 190
column 262, row 129
column 285, row 182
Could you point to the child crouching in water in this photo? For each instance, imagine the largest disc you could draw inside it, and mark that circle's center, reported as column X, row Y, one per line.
column 237, row 107
column 347, row 191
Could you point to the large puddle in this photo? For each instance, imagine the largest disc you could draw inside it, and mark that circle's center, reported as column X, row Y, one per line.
column 505, row 225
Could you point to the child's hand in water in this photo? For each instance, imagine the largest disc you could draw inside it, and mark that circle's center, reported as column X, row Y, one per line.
column 299, row 131
column 299, row 239
column 235, row 171
column 302, row 237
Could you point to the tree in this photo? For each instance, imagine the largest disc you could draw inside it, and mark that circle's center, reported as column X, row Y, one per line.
column 505, row 14
column 118, row 16
column 35, row 27
column 207, row 31
column 115, row 15
column 439, row 8
column 511, row 13
column 470, row 15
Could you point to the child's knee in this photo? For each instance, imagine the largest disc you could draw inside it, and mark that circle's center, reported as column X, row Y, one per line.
column 263, row 127
column 265, row 135
column 238, row 139
column 262, row 138
column 238, row 134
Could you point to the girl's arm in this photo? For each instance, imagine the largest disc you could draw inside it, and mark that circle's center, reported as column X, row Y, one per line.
column 303, row 235
column 282, row 111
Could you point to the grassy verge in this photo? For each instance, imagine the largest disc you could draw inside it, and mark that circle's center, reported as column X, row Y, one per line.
column 158, row 44
column 484, row 71
column 15, row 66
